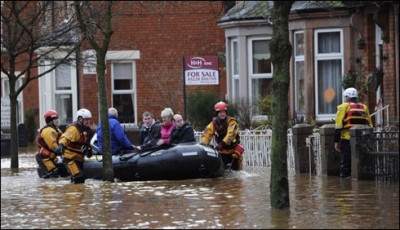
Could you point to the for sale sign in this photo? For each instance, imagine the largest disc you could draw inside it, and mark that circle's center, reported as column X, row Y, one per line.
column 201, row 70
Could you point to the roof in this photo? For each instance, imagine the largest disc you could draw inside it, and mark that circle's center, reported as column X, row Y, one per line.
column 316, row 5
column 248, row 10
column 253, row 10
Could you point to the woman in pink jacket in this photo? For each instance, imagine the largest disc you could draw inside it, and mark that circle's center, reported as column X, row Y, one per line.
column 166, row 127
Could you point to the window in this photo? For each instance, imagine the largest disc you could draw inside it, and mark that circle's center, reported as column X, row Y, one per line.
column 261, row 57
column 58, row 90
column 123, row 94
column 63, row 93
column 5, row 98
column 329, row 70
column 260, row 68
column 299, row 81
column 235, row 70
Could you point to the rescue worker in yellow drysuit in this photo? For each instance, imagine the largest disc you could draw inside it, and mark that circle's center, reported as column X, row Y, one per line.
column 74, row 144
column 47, row 140
column 349, row 114
column 226, row 132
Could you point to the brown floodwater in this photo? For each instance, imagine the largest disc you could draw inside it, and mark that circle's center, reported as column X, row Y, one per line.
column 237, row 200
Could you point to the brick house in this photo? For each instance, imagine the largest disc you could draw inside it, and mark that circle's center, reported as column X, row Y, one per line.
column 327, row 41
column 144, row 62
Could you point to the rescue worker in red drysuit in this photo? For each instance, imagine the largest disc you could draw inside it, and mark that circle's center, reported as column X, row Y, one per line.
column 74, row 144
column 225, row 129
column 47, row 140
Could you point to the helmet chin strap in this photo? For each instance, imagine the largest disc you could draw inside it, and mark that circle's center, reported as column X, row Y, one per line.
column 353, row 99
column 80, row 119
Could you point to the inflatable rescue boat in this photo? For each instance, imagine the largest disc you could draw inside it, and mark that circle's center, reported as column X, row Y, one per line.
column 182, row 161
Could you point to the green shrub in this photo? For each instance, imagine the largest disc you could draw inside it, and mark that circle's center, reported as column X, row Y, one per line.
column 200, row 109
column 265, row 105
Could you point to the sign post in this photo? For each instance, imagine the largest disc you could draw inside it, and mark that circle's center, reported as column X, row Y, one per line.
column 199, row 71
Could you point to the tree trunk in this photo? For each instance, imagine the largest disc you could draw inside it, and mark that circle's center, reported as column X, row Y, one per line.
column 13, row 125
column 108, row 168
column 281, row 51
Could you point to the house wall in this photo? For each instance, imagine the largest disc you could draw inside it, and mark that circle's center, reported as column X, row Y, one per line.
column 391, row 67
column 309, row 23
column 162, row 39
column 354, row 57
column 387, row 58
column 356, row 23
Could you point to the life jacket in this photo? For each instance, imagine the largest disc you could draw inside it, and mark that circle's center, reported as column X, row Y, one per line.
column 355, row 116
column 221, row 131
column 40, row 140
column 84, row 138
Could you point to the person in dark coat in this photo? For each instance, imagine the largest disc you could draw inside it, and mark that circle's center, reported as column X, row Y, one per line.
column 150, row 132
column 183, row 132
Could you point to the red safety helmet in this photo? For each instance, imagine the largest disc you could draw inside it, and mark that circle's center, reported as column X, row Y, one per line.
column 220, row 106
column 50, row 115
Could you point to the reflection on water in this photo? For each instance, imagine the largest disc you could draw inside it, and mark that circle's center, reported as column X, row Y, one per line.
column 238, row 200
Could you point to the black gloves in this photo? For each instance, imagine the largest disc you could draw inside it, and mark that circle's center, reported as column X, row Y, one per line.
column 60, row 149
column 87, row 150
column 221, row 145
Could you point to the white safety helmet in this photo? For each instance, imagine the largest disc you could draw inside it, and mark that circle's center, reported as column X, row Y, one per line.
column 350, row 92
column 84, row 113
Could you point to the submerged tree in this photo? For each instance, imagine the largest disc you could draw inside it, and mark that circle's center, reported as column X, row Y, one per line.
column 32, row 31
column 281, row 51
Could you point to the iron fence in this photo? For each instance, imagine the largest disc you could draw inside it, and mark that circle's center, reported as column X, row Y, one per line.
column 383, row 151
column 382, row 157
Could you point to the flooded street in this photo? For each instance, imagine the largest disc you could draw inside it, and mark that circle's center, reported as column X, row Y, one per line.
column 238, row 200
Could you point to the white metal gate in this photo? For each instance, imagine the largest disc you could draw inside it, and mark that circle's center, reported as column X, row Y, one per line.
column 257, row 145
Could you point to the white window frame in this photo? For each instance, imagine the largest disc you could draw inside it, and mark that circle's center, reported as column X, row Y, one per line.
column 47, row 89
column 253, row 75
column 132, row 91
column 235, row 66
column 127, row 56
column 378, row 58
column 326, row 56
column 64, row 92
column 20, row 99
column 250, row 59
column 297, row 58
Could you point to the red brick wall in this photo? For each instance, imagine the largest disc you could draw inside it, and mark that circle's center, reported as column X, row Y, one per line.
column 30, row 94
column 190, row 29
column 162, row 39
column 388, row 63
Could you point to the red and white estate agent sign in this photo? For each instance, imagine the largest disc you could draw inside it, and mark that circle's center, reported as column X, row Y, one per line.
column 201, row 70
